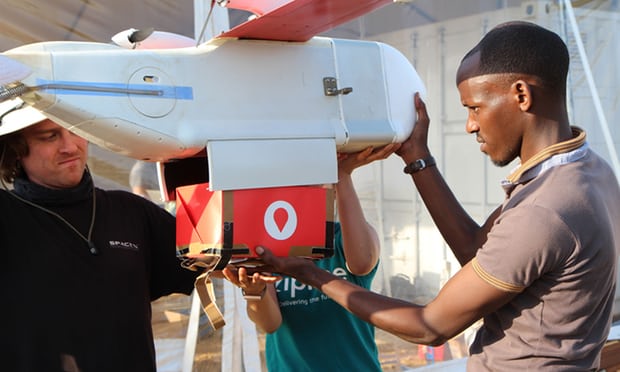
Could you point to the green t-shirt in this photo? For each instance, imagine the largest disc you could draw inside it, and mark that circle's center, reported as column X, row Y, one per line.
column 316, row 333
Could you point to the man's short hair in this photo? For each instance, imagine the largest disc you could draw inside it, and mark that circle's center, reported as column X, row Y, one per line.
column 522, row 48
column 13, row 147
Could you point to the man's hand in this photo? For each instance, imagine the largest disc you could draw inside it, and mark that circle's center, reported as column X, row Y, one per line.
column 251, row 283
column 347, row 162
column 416, row 146
column 297, row 267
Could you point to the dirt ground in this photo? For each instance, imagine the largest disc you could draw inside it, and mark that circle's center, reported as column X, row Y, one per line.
column 170, row 318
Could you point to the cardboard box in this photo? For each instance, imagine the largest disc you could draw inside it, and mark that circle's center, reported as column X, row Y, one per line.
column 229, row 225
column 610, row 357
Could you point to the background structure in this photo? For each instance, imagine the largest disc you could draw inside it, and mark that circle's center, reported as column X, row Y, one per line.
column 434, row 35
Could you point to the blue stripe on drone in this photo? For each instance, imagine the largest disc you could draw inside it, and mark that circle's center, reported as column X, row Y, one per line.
column 163, row 91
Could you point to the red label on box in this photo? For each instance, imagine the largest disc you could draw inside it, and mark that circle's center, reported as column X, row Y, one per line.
column 290, row 221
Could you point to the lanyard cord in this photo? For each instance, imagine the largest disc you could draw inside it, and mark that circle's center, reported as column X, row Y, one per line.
column 91, row 246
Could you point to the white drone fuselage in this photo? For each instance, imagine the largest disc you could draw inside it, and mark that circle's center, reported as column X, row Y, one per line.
column 268, row 113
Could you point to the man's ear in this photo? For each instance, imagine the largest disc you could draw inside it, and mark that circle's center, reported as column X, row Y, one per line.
column 523, row 94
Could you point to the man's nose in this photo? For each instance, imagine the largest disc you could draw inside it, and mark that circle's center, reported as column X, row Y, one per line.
column 69, row 141
column 471, row 126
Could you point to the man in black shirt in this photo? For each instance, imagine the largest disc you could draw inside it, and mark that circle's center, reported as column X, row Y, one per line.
column 79, row 266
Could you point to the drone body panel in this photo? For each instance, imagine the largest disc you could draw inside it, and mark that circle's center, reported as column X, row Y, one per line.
column 248, row 91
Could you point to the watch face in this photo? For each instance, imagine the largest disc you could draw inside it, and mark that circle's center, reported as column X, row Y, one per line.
column 415, row 166
column 419, row 165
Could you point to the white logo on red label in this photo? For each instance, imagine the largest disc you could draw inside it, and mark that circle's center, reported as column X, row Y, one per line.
column 280, row 220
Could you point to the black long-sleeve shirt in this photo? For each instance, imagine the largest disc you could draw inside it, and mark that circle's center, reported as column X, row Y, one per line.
column 61, row 302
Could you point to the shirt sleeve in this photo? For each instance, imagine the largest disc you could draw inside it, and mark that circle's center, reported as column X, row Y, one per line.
column 167, row 274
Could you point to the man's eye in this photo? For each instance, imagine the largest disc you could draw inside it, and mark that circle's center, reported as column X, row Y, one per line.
column 49, row 137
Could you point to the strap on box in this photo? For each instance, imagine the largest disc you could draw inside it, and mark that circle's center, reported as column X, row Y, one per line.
column 204, row 288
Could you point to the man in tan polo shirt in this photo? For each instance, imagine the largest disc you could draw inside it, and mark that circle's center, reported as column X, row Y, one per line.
column 541, row 270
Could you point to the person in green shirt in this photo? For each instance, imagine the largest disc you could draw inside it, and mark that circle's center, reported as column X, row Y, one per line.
column 301, row 322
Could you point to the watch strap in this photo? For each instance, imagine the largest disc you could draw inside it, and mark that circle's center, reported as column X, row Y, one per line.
column 419, row 164
column 254, row 297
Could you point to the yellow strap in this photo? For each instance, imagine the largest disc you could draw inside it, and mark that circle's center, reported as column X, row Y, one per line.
column 301, row 250
column 204, row 287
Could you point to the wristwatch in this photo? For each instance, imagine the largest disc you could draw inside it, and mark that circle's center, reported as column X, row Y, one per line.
column 419, row 165
column 254, row 297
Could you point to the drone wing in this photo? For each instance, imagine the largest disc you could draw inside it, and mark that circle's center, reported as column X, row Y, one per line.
column 258, row 7
column 296, row 20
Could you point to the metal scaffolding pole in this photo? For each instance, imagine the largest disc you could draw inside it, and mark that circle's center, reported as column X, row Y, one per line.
column 595, row 97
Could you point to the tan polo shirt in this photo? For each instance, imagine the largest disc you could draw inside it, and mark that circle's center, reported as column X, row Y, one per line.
column 555, row 243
